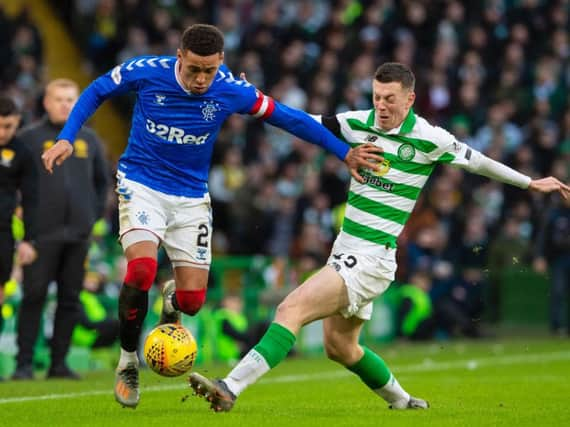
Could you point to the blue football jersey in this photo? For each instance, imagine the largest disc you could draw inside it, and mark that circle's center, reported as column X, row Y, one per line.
column 173, row 131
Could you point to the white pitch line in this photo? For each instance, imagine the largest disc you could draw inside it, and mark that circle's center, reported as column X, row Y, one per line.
column 426, row 366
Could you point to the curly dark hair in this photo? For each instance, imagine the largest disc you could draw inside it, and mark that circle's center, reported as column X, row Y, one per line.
column 203, row 40
column 8, row 107
column 395, row 72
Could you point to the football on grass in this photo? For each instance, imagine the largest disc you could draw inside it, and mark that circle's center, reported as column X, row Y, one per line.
column 170, row 350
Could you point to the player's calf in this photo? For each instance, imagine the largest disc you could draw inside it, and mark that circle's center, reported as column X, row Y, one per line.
column 141, row 273
column 189, row 302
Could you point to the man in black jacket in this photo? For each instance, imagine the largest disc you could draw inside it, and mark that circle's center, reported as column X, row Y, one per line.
column 17, row 173
column 70, row 201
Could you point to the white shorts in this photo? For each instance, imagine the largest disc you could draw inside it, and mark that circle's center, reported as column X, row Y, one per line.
column 365, row 276
column 183, row 225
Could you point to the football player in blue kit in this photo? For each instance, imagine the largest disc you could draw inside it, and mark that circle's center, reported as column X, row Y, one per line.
column 181, row 105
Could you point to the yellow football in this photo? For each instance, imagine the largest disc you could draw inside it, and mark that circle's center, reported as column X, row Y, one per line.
column 170, row 350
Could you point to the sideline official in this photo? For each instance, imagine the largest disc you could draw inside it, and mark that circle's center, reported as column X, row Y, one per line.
column 70, row 201
column 18, row 173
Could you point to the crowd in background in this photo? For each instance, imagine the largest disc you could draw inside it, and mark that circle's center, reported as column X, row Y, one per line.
column 496, row 73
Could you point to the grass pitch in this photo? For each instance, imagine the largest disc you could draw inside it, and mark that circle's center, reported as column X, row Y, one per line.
column 515, row 383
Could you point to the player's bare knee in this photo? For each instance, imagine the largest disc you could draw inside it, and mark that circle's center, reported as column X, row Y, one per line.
column 141, row 273
column 338, row 349
column 190, row 302
column 334, row 352
column 288, row 312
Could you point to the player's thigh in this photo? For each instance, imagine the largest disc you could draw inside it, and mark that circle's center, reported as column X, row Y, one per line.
column 190, row 278
column 188, row 238
column 365, row 277
column 322, row 295
column 143, row 245
column 141, row 209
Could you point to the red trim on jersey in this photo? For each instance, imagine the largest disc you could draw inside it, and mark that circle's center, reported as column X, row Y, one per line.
column 257, row 105
column 270, row 108
column 263, row 107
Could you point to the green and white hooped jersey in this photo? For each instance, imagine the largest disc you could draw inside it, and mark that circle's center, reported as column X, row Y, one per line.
column 377, row 210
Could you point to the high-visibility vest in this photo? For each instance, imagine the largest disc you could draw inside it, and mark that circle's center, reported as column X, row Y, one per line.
column 421, row 308
column 95, row 312
column 227, row 349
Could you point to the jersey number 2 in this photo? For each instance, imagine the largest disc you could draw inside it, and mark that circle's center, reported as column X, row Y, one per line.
column 202, row 236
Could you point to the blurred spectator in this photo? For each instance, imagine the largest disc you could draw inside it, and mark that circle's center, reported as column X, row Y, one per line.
column 415, row 318
column 18, row 177
column 510, row 248
column 235, row 335
column 70, row 200
column 225, row 180
column 553, row 255
column 498, row 132
column 95, row 326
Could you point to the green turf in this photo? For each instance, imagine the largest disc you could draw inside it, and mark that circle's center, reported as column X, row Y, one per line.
column 515, row 383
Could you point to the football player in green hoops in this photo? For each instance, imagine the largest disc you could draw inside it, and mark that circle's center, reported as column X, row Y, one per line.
column 363, row 259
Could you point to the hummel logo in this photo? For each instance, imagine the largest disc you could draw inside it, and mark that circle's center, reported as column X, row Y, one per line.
column 159, row 99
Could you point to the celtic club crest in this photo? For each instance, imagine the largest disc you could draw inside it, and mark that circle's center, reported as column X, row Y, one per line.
column 406, row 152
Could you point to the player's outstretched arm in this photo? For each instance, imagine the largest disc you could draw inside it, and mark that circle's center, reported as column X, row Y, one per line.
column 549, row 185
column 303, row 126
column 57, row 154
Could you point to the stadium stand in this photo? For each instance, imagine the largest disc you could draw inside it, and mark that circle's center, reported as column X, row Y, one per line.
column 496, row 73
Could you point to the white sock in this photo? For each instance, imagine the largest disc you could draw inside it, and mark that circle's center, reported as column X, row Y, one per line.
column 126, row 358
column 393, row 392
column 246, row 372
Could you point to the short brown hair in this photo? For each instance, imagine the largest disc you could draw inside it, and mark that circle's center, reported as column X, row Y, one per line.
column 396, row 72
column 203, row 40
column 8, row 107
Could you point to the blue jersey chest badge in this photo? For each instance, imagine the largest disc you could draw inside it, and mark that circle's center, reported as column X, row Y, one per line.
column 209, row 110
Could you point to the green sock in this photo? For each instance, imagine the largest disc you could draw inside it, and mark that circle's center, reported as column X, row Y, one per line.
column 371, row 369
column 275, row 344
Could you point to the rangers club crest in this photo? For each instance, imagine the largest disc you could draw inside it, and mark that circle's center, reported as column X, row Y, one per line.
column 209, row 109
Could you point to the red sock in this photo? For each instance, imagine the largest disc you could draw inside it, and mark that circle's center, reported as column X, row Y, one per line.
column 189, row 302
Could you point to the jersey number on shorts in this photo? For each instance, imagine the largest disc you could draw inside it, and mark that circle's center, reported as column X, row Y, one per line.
column 202, row 236
column 349, row 261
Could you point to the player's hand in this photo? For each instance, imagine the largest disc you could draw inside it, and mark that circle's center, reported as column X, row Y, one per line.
column 548, row 185
column 364, row 156
column 57, row 154
column 26, row 253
